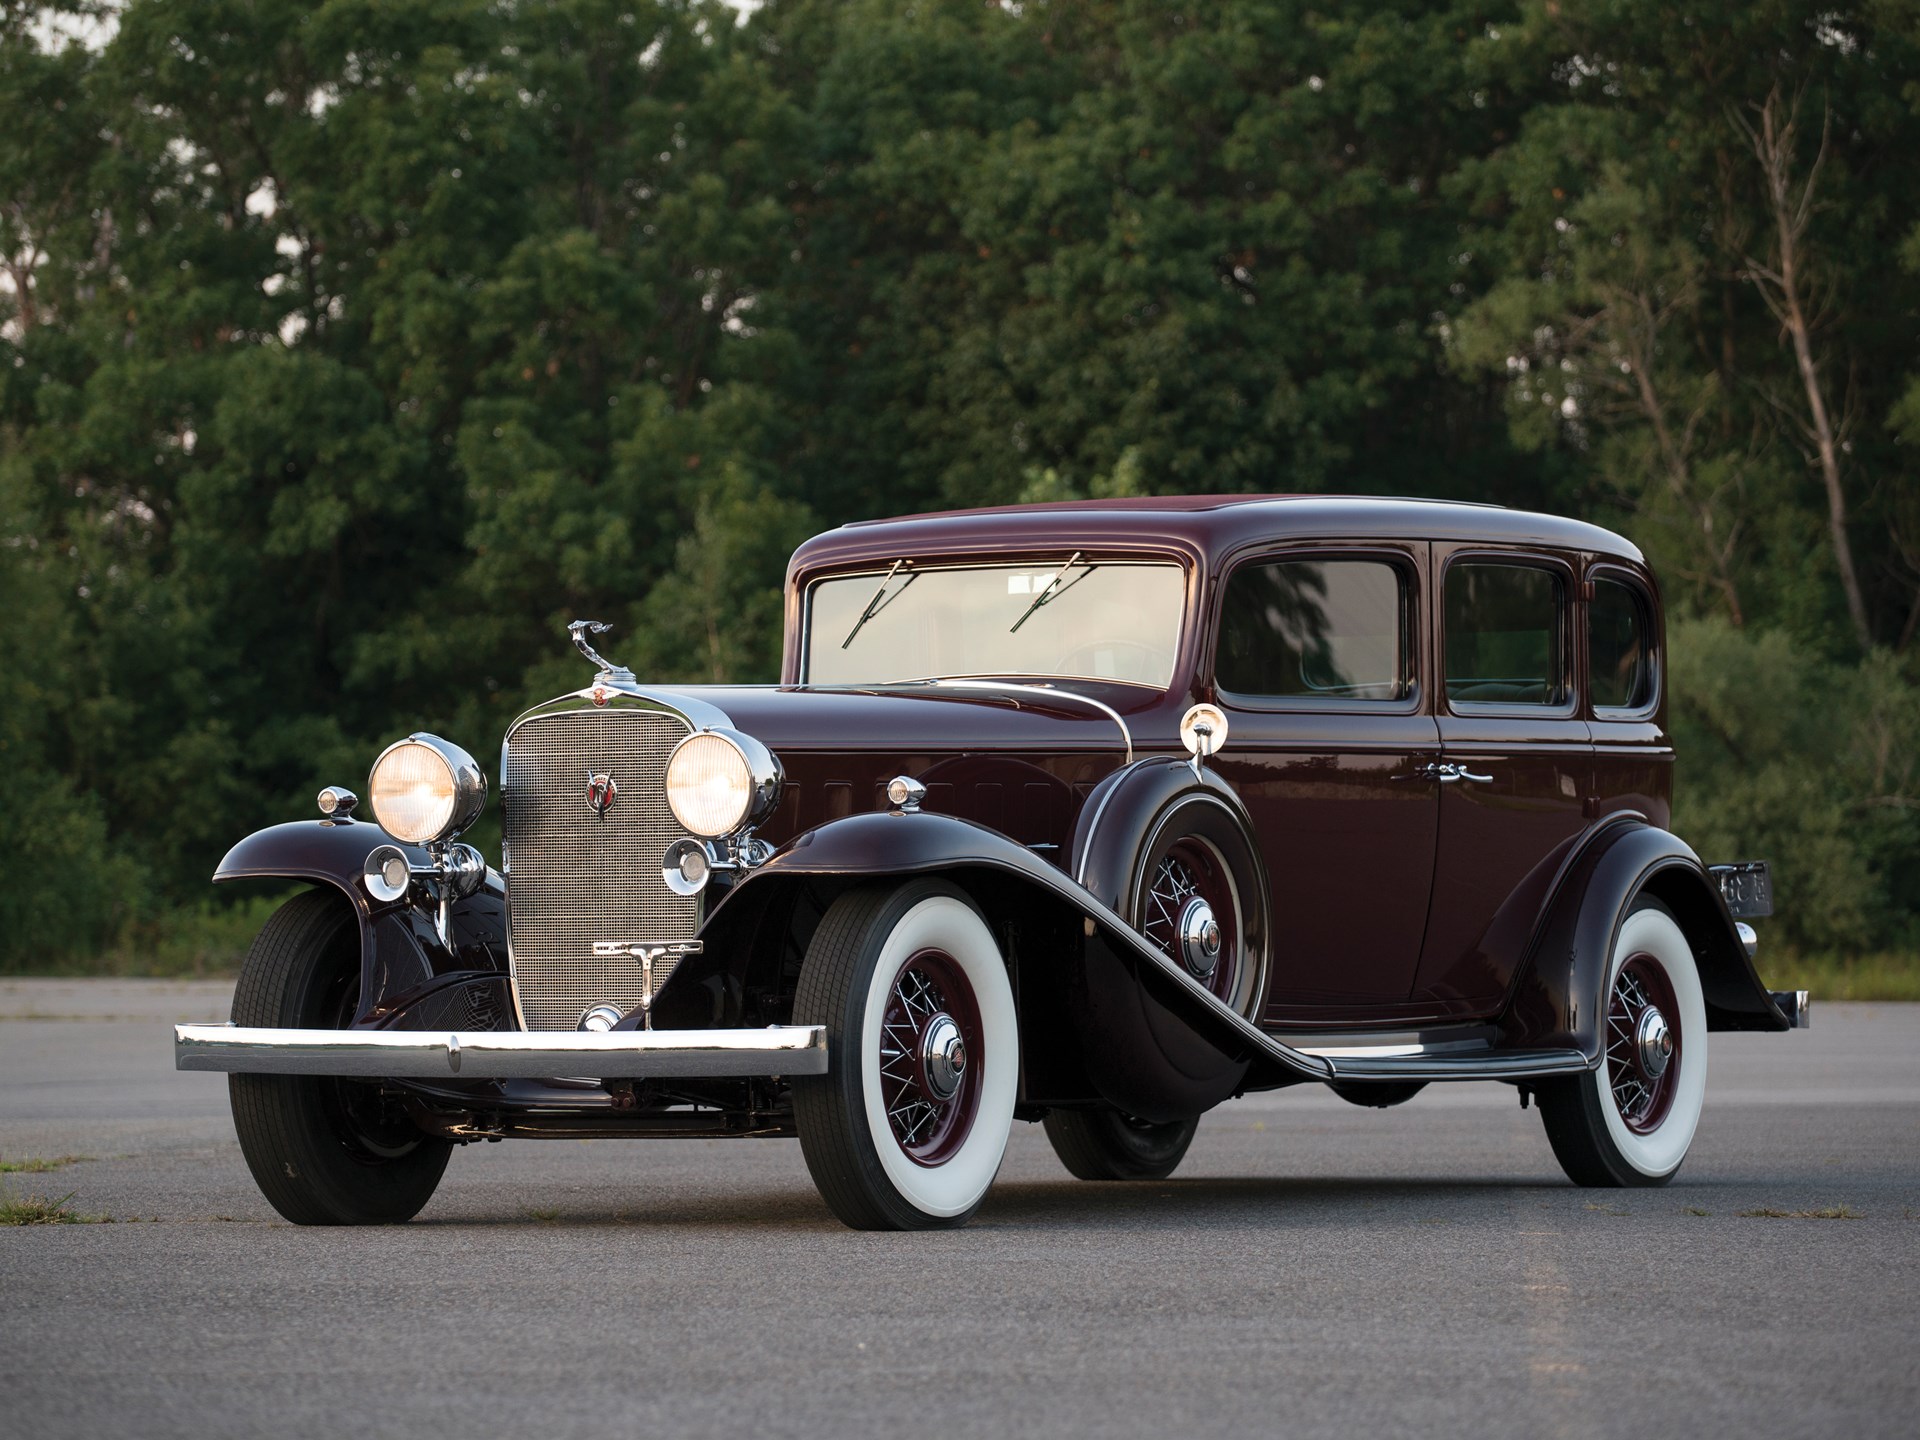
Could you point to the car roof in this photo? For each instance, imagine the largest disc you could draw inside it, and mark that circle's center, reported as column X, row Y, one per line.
column 1207, row 526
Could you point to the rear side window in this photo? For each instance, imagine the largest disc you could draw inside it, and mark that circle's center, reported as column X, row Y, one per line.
column 1503, row 635
column 1619, row 667
column 1315, row 630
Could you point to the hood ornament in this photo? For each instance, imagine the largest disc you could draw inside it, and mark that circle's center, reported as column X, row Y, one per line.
column 579, row 630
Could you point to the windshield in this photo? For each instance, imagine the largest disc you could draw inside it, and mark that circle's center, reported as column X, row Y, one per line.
column 1077, row 616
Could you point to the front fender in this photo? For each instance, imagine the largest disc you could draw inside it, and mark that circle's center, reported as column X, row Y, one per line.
column 408, row 978
column 749, row 936
column 1560, row 996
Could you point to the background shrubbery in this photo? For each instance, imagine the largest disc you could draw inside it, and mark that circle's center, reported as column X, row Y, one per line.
column 347, row 349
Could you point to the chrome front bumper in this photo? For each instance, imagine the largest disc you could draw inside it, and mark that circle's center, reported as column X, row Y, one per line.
column 502, row 1054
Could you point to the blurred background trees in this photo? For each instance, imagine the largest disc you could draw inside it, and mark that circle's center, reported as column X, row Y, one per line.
column 348, row 349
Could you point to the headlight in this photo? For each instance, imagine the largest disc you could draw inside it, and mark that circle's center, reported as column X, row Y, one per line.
column 719, row 780
column 425, row 790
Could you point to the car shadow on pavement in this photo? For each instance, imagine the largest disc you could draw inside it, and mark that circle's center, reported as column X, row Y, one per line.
column 1161, row 1204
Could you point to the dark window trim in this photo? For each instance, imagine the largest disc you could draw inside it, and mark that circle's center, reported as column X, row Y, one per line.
column 1401, row 561
column 1575, row 693
column 1615, row 574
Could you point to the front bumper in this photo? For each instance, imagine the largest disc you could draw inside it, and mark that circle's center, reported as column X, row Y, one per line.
column 502, row 1054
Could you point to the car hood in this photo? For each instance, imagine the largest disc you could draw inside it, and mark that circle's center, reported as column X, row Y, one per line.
column 956, row 715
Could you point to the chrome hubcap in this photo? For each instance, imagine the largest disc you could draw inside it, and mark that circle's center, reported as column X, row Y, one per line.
column 943, row 1057
column 1199, row 937
column 1654, row 1041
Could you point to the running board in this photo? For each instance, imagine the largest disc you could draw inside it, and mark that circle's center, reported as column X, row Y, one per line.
column 1353, row 1064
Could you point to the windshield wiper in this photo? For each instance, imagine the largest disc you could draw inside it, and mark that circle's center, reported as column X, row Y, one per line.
column 877, row 604
column 1054, row 589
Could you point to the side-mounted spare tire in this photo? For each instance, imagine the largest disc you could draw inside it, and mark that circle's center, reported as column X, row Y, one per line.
column 324, row 1150
column 1174, row 854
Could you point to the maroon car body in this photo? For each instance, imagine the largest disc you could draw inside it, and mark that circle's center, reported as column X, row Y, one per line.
column 1430, row 841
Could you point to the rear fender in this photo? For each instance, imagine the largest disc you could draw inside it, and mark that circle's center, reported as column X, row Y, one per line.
column 1560, row 995
column 1064, row 941
column 408, row 978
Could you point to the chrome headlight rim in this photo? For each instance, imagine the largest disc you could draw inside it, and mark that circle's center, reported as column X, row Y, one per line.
column 762, row 781
column 467, row 790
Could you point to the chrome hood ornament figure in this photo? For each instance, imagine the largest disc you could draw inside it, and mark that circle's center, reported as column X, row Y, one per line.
column 580, row 630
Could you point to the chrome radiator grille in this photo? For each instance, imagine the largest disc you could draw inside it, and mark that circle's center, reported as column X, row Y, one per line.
column 574, row 878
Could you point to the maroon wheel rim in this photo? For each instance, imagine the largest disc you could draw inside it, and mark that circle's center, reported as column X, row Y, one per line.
column 930, row 1121
column 1191, row 869
column 1642, row 1091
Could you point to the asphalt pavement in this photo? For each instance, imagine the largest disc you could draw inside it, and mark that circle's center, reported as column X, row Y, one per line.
column 1313, row 1269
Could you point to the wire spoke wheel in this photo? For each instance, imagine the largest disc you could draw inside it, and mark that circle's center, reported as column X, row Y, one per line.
column 931, row 1049
column 1631, row 1119
column 907, row 1128
column 1190, row 909
column 1643, row 1048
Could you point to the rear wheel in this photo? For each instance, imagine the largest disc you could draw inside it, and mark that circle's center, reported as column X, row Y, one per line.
column 1107, row 1145
column 1631, row 1121
column 324, row 1151
column 908, row 1128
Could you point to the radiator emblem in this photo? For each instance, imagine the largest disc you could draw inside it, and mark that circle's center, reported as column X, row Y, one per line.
column 601, row 792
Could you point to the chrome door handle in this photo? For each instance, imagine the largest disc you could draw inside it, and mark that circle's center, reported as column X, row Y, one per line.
column 1446, row 773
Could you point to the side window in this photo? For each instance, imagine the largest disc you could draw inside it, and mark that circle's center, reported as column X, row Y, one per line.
column 1503, row 634
column 1315, row 629
column 1619, row 669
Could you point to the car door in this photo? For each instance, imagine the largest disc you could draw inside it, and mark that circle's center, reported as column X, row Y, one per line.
column 1517, row 763
column 1319, row 665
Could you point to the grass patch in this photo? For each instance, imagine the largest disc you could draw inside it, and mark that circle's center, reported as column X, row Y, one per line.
column 36, row 1210
column 545, row 1217
column 40, row 1166
column 1888, row 975
column 1831, row 1212
column 1696, row 1210
column 201, row 942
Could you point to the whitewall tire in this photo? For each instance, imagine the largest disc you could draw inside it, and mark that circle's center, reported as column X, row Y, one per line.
column 1631, row 1121
column 908, row 1128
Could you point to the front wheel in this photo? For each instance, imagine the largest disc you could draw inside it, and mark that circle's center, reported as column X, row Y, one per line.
column 1110, row 1145
column 1631, row 1121
column 907, row 1130
column 324, row 1151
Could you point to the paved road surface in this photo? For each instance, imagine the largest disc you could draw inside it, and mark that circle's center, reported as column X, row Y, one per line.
column 1313, row 1270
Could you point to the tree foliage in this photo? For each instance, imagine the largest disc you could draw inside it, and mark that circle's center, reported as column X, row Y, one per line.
column 348, row 349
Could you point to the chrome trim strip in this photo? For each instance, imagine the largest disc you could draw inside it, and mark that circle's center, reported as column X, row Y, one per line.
column 502, row 1054
column 699, row 714
column 1486, row 1065
column 1393, row 1052
column 1049, row 692
column 1093, row 828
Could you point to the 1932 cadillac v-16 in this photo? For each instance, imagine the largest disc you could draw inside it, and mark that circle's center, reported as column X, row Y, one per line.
column 1096, row 814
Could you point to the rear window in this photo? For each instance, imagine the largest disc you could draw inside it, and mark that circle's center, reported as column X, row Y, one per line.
column 1503, row 635
column 1619, row 667
column 1315, row 630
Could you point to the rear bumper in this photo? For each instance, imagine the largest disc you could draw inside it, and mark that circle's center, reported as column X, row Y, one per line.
column 502, row 1054
column 1796, row 1005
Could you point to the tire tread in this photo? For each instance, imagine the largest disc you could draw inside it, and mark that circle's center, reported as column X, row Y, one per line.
column 298, row 1169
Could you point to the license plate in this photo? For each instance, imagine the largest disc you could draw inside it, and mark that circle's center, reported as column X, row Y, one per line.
column 1746, row 887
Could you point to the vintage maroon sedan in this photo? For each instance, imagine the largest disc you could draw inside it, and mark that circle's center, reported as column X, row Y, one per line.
column 1091, row 814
